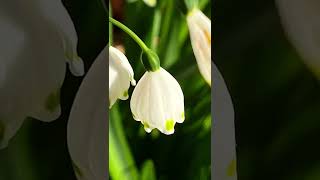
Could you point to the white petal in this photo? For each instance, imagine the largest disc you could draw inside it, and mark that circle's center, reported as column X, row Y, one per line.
column 223, row 133
column 32, row 65
column 60, row 19
column 120, row 76
column 87, row 125
column 200, row 35
column 76, row 66
column 157, row 101
column 301, row 23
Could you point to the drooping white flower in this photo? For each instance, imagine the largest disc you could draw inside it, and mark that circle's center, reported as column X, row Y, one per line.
column 120, row 76
column 223, row 132
column 157, row 101
column 87, row 125
column 301, row 23
column 200, row 34
column 151, row 3
column 37, row 38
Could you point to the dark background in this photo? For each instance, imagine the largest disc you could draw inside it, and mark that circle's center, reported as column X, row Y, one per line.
column 275, row 96
column 39, row 150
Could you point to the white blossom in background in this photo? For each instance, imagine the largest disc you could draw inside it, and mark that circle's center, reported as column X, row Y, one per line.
column 301, row 22
column 87, row 125
column 151, row 3
column 223, row 132
column 157, row 101
column 37, row 38
column 120, row 76
column 200, row 34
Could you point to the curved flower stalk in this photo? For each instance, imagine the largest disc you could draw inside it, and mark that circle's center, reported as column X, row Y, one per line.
column 157, row 101
column 300, row 20
column 200, row 34
column 87, row 125
column 120, row 76
column 33, row 52
column 223, row 133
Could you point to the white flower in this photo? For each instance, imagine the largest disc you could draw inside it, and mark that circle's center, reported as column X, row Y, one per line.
column 223, row 132
column 200, row 35
column 301, row 23
column 37, row 38
column 120, row 76
column 157, row 101
column 151, row 3
column 87, row 125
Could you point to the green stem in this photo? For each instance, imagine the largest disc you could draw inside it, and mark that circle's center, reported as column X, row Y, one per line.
column 121, row 162
column 191, row 4
column 151, row 61
column 155, row 29
column 130, row 33
column 168, row 11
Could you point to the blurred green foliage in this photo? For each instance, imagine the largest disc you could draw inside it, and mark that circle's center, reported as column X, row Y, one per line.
column 275, row 95
column 185, row 154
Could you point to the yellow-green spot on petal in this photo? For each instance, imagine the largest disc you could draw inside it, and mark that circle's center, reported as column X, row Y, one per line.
column 53, row 101
column 169, row 124
column 232, row 168
column 125, row 94
column 77, row 170
column 146, row 125
column 68, row 55
column 2, row 129
column 182, row 116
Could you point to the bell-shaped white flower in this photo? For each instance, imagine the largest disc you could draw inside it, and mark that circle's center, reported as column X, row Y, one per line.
column 200, row 34
column 157, row 101
column 87, row 125
column 223, row 132
column 301, row 23
column 120, row 76
column 33, row 51
column 151, row 3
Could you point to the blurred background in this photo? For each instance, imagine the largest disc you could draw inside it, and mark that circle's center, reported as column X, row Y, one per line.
column 275, row 98
column 186, row 153
column 275, row 95
column 39, row 150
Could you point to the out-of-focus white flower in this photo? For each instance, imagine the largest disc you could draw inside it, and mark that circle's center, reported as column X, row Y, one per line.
column 87, row 125
column 37, row 38
column 151, row 3
column 120, row 76
column 301, row 23
column 223, row 132
column 157, row 101
column 200, row 35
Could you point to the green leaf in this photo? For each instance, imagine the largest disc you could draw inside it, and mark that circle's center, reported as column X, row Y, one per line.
column 121, row 163
column 148, row 171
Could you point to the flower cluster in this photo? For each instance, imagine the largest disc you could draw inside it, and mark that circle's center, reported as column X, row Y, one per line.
column 157, row 101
